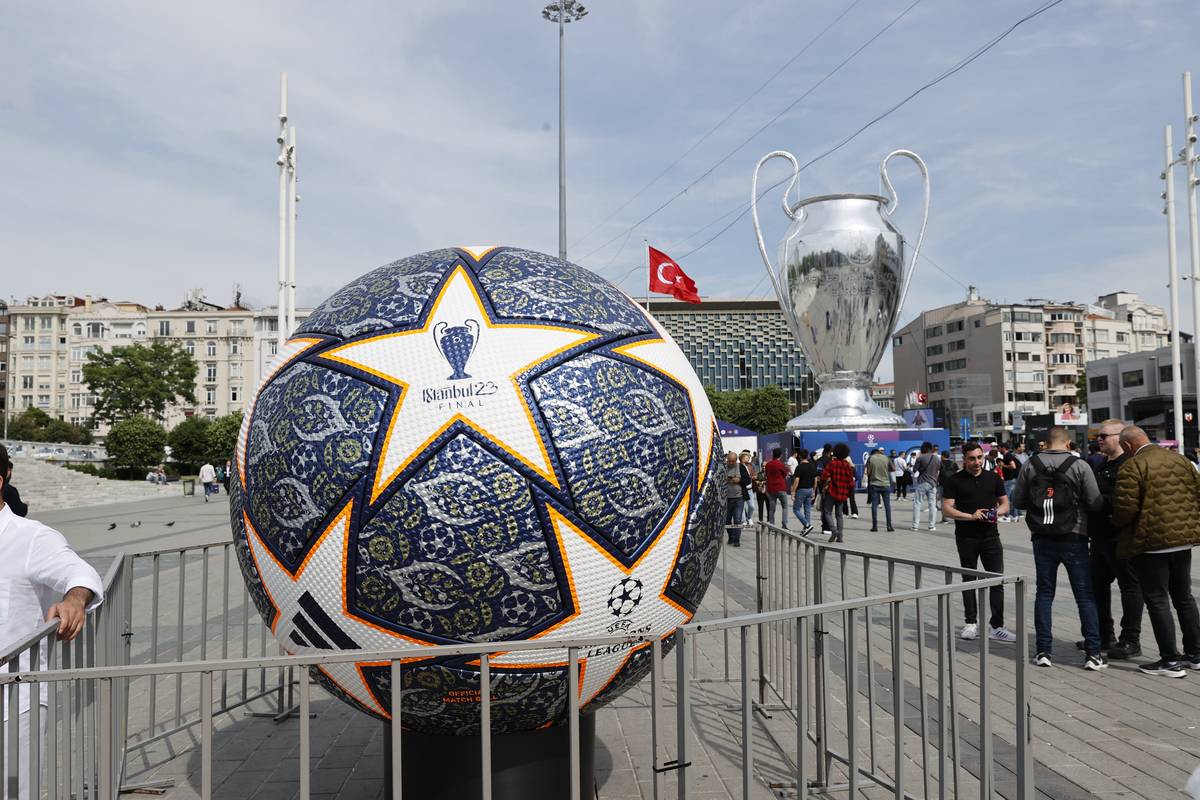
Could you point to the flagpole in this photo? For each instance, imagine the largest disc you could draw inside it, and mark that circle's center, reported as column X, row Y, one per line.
column 647, row 243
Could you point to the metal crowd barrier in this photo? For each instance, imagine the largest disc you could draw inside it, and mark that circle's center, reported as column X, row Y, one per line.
column 876, row 632
column 842, row 647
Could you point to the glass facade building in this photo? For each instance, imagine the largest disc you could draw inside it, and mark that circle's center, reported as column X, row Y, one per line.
column 739, row 344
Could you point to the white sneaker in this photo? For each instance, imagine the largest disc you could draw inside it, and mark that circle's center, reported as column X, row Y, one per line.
column 854, row 516
column 933, row 527
column 969, row 631
column 1002, row 635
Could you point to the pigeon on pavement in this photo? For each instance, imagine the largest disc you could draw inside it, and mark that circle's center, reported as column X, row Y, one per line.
column 112, row 525
column 137, row 524
column 169, row 524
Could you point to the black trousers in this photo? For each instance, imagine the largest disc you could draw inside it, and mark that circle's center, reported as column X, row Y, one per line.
column 985, row 550
column 1166, row 580
column 1106, row 568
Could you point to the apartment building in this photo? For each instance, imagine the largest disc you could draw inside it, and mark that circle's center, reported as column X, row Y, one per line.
column 51, row 336
column 3, row 357
column 980, row 361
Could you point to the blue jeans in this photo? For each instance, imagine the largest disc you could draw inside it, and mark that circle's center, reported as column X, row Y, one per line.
column 1072, row 553
column 923, row 495
column 874, row 495
column 733, row 519
column 748, row 509
column 802, row 506
column 1013, row 511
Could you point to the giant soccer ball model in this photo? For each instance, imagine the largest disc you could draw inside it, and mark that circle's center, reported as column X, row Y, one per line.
column 478, row 445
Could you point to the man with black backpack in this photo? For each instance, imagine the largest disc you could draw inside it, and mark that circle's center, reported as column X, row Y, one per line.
column 1058, row 490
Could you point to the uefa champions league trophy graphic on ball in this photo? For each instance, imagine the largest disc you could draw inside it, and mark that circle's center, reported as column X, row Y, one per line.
column 456, row 344
column 841, row 281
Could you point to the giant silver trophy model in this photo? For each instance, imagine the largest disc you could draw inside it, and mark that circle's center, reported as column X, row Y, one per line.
column 841, row 282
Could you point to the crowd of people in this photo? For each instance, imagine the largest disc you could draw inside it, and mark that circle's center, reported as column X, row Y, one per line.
column 1128, row 512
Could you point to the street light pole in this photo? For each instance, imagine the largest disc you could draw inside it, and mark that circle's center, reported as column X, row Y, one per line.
column 1189, row 174
column 561, row 13
column 1168, row 197
column 282, row 162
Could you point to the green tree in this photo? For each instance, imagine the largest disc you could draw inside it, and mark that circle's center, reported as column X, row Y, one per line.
column 221, row 438
column 189, row 442
column 35, row 425
column 1081, row 391
column 136, row 442
column 139, row 380
column 765, row 410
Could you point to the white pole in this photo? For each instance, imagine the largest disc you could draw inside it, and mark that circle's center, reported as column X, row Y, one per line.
column 1194, row 228
column 562, row 134
column 282, row 161
column 1173, row 283
column 292, row 213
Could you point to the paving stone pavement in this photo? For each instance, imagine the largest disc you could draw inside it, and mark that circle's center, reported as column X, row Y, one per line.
column 1113, row 734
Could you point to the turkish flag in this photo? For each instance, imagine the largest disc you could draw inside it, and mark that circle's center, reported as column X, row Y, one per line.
column 666, row 277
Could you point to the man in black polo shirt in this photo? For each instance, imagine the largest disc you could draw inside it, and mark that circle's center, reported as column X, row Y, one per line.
column 974, row 499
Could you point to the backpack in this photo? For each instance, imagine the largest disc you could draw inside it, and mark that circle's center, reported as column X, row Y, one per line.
column 1053, row 502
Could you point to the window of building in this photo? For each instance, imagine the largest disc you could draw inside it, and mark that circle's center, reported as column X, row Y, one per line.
column 28, row 341
column 189, row 326
column 978, row 323
column 210, row 370
column 935, row 368
column 190, row 346
column 1022, row 355
column 1166, row 374
column 1122, row 336
column 237, row 327
column 937, row 386
column 933, row 350
column 211, row 349
column 955, row 326
column 958, row 363
column 77, row 329
column 896, row 341
column 164, row 327
column 1062, row 358
column 1063, row 316
column 1063, row 338
column 235, row 348
column 210, row 395
column 1100, row 414
column 47, row 323
column 235, row 369
column 936, row 330
column 1098, row 383
column 29, row 324
column 1132, row 378
column 26, row 381
column 76, row 376
column 210, row 326
column 235, row 394
column 956, row 345
column 273, row 347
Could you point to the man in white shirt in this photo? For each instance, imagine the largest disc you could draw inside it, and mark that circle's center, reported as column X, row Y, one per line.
column 208, row 479
column 41, row 578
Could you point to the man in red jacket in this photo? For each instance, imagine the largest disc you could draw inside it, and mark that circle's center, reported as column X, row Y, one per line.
column 777, row 474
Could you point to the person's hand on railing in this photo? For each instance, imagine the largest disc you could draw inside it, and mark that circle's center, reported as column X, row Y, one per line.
column 70, row 613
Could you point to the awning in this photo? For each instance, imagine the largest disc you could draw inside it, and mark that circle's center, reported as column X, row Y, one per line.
column 1153, row 421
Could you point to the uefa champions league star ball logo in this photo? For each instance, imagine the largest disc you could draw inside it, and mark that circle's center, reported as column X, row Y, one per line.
column 624, row 597
column 568, row 485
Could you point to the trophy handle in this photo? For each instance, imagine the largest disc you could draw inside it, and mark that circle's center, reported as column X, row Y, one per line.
column 773, row 272
column 472, row 326
column 894, row 203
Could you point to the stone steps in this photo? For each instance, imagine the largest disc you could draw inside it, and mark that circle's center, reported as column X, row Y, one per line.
column 46, row 486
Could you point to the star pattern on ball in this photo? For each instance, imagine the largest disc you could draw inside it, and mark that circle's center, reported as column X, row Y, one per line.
column 312, row 628
column 592, row 573
column 452, row 369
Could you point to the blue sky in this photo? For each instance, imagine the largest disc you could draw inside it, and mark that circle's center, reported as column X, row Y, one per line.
column 137, row 140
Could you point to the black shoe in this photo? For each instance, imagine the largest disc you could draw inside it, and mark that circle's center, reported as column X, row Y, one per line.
column 891, row 529
column 1095, row 663
column 1167, row 669
column 874, row 530
column 1126, row 650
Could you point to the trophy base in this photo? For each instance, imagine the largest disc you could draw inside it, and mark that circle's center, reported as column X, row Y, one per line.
column 846, row 409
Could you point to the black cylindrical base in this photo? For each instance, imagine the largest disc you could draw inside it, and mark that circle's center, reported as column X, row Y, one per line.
column 534, row 765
